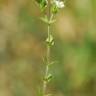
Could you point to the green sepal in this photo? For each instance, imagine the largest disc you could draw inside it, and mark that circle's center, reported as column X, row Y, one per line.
column 42, row 4
column 54, row 9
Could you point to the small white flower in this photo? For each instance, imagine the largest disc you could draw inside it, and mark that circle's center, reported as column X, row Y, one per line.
column 58, row 3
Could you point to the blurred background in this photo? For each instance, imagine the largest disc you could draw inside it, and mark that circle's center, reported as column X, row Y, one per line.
column 22, row 48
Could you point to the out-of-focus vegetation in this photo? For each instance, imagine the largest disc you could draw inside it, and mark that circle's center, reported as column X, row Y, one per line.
column 22, row 48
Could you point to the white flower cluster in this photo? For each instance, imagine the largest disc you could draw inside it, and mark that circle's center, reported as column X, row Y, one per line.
column 58, row 3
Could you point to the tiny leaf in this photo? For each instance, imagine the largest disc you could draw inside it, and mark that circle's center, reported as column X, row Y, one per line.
column 52, row 21
column 48, row 78
column 50, row 40
column 51, row 63
column 44, row 19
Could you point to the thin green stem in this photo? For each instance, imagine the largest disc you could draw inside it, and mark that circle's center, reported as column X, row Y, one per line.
column 48, row 62
column 48, row 52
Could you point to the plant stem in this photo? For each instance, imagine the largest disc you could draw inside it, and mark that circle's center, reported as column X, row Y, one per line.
column 48, row 52
column 47, row 63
